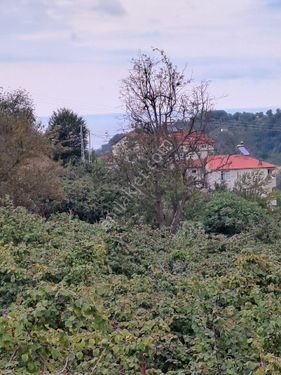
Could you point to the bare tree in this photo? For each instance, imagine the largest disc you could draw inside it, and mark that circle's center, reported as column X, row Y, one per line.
column 254, row 185
column 157, row 98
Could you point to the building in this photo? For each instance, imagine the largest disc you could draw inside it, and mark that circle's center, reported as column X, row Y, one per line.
column 190, row 144
column 195, row 151
column 193, row 145
column 228, row 169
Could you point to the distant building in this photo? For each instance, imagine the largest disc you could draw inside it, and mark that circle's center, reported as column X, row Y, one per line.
column 191, row 145
column 228, row 169
column 196, row 151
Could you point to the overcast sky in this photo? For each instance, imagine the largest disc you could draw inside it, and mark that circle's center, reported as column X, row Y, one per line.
column 75, row 52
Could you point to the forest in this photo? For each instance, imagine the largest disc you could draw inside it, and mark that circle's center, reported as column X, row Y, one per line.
column 259, row 131
column 98, row 276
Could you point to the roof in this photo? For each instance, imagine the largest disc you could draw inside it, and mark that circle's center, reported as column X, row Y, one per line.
column 189, row 138
column 181, row 137
column 106, row 157
column 230, row 162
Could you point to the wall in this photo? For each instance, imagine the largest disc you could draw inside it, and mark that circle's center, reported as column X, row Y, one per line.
column 231, row 176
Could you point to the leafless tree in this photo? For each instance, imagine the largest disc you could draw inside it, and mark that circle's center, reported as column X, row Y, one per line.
column 157, row 98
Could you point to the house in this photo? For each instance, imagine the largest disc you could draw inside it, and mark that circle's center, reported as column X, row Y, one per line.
column 193, row 145
column 190, row 144
column 195, row 151
column 228, row 169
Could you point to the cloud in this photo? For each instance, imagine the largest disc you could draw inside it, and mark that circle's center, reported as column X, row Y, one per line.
column 229, row 43
column 110, row 7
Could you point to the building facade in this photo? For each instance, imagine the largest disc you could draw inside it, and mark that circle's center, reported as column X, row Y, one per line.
column 230, row 169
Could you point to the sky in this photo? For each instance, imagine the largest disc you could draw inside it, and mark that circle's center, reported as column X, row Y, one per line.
column 74, row 53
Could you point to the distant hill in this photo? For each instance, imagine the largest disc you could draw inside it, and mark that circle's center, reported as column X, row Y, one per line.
column 261, row 133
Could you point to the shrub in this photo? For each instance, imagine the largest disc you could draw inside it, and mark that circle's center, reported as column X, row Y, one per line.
column 228, row 214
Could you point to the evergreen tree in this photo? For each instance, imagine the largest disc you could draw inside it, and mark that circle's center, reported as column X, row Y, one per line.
column 64, row 132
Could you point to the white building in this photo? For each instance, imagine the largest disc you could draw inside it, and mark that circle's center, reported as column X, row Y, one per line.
column 191, row 144
column 196, row 151
column 228, row 169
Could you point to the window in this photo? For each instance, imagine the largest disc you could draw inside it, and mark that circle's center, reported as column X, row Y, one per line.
column 269, row 172
column 225, row 176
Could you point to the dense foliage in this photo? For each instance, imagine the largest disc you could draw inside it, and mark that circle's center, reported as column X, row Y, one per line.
column 129, row 275
column 66, row 130
column 259, row 131
column 91, row 191
column 27, row 173
column 78, row 298
column 229, row 214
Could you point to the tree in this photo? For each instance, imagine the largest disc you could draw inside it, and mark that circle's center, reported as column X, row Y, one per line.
column 65, row 131
column 91, row 190
column 27, row 174
column 17, row 104
column 157, row 97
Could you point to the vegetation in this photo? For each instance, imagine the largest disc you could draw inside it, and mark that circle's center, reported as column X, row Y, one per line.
column 228, row 214
column 27, row 173
column 66, row 131
column 78, row 299
column 128, row 268
column 259, row 131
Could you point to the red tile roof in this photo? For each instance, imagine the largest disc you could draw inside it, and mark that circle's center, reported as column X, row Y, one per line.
column 106, row 157
column 229, row 162
column 190, row 138
column 181, row 137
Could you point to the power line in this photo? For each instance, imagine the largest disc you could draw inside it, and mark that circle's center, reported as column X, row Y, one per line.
column 254, row 127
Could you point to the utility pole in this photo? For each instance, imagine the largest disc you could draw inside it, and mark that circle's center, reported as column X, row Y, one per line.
column 82, row 144
column 90, row 149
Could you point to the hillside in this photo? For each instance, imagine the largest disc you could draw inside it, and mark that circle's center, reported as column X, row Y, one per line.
column 261, row 133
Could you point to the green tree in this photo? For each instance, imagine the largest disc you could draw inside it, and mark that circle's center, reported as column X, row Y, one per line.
column 65, row 131
column 91, row 191
column 253, row 185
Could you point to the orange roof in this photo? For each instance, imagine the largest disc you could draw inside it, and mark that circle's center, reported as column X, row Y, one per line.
column 181, row 137
column 188, row 138
column 229, row 162
column 106, row 157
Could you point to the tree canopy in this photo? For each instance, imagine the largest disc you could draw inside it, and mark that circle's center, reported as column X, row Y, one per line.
column 66, row 131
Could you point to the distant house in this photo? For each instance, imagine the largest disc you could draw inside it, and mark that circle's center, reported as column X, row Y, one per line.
column 191, row 145
column 196, row 151
column 228, row 169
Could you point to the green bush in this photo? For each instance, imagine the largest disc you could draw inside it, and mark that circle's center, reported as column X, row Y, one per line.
column 228, row 214
column 90, row 192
